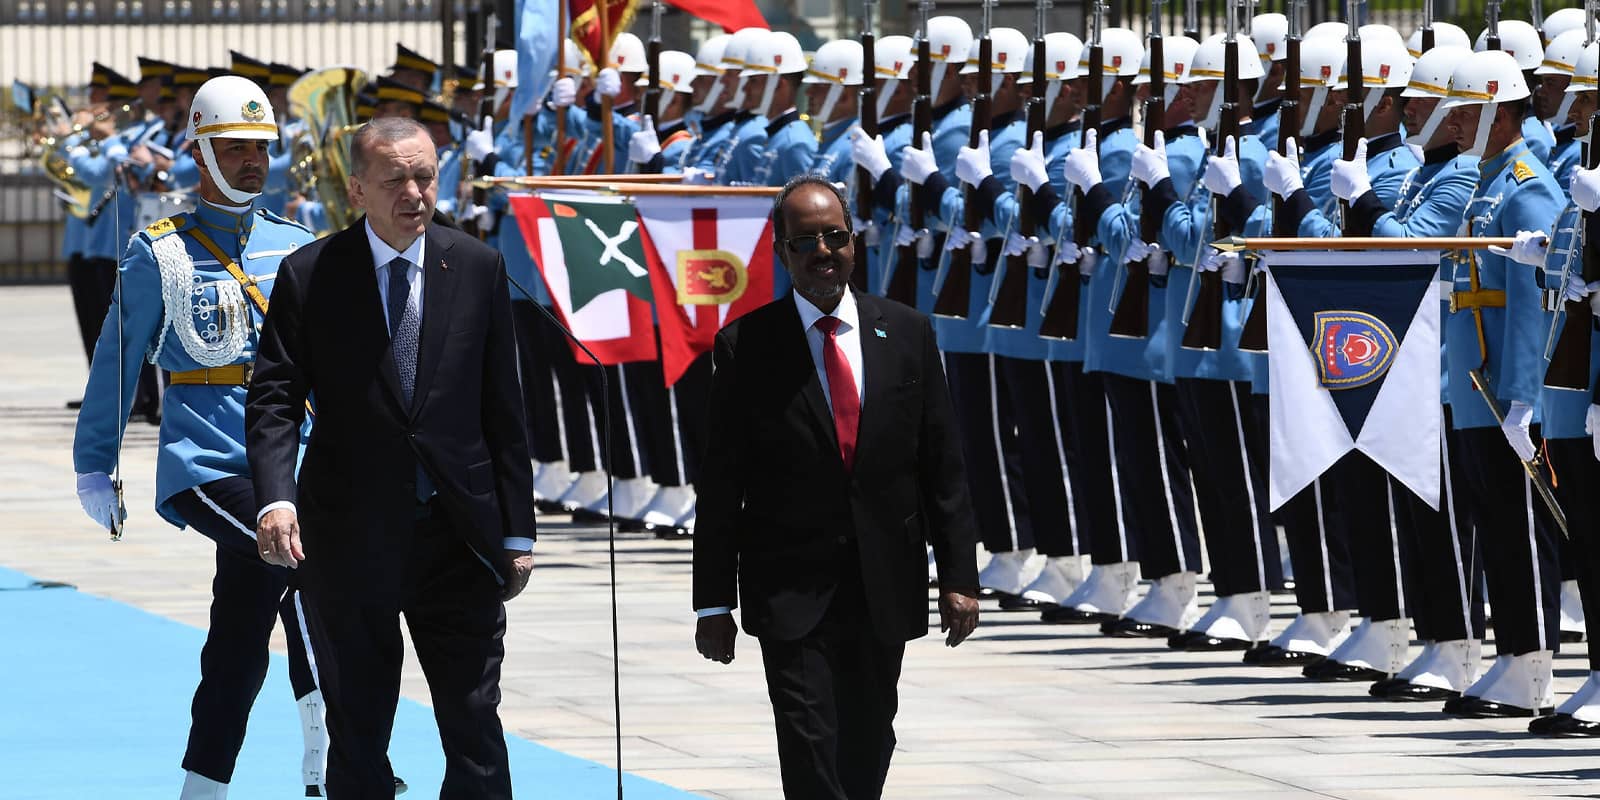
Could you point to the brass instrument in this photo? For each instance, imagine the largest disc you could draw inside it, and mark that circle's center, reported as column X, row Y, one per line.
column 325, row 102
column 53, row 126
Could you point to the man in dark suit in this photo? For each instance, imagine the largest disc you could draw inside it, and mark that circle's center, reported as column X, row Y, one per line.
column 832, row 461
column 416, row 490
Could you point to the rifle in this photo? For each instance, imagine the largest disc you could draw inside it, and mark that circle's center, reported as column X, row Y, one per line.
column 652, row 58
column 480, row 194
column 1191, row 19
column 1491, row 15
column 1011, row 299
column 1061, row 315
column 867, row 106
column 902, row 286
column 1253, row 338
column 1569, row 355
column 1427, row 25
column 1203, row 321
column 955, row 294
column 1354, row 115
column 1130, row 318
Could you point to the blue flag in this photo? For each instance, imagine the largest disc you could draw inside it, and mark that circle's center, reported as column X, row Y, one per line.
column 538, row 40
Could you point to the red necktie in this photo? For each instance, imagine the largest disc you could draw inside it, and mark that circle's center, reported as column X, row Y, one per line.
column 841, row 388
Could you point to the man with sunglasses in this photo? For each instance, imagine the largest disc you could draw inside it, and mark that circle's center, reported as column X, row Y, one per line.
column 834, row 458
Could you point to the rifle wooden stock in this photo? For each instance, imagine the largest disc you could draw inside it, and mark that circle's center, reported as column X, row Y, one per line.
column 652, row 89
column 902, row 286
column 1569, row 362
column 1204, row 331
column 1011, row 301
column 955, row 294
column 1131, row 317
column 868, row 105
column 1061, row 315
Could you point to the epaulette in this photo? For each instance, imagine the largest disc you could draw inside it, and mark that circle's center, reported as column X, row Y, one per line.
column 164, row 226
column 280, row 218
column 1520, row 171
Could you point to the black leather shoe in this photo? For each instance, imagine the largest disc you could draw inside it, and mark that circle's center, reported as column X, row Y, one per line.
column 1199, row 642
column 549, row 507
column 1563, row 725
column 1327, row 670
column 74, row 405
column 1066, row 615
column 1129, row 628
column 1271, row 655
column 1477, row 707
column 670, row 532
column 1405, row 691
column 400, row 788
column 584, row 515
column 1012, row 602
column 1571, row 637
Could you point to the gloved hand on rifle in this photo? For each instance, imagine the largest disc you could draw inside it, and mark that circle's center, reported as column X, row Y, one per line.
column 1585, row 188
column 1082, row 165
column 868, row 153
column 1028, row 165
column 919, row 163
column 1349, row 179
column 972, row 163
column 1282, row 175
column 1222, row 172
column 1150, row 163
column 480, row 143
column 643, row 145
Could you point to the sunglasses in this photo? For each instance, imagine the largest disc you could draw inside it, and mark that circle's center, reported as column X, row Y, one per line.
column 807, row 243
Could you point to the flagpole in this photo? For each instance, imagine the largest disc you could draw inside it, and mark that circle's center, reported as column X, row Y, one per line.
column 632, row 188
column 606, row 147
column 1234, row 244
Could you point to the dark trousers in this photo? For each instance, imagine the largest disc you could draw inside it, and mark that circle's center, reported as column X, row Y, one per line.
column 1577, row 474
column 659, row 437
column 1230, row 485
column 1042, row 447
column 989, row 451
column 623, row 455
column 248, row 597
column 91, row 281
column 1518, row 540
column 1449, row 605
column 576, row 415
column 1083, row 416
column 1367, row 510
column 834, row 695
column 541, row 400
column 1324, row 578
column 1153, row 468
column 457, row 623
column 691, row 399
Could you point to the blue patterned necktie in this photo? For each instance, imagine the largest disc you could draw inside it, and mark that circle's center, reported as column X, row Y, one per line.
column 404, row 325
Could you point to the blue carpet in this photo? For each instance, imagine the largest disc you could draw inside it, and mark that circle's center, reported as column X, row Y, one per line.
column 94, row 703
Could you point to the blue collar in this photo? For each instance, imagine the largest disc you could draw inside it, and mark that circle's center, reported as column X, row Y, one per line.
column 1488, row 169
column 228, row 228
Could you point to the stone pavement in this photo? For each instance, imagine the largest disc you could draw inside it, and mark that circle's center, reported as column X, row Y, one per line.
column 1022, row 710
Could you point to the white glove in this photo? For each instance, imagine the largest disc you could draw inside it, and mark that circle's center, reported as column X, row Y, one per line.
column 1515, row 428
column 1028, row 166
column 1349, row 178
column 1591, row 426
column 924, row 239
column 904, row 235
column 609, row 82
column 1157, row 263
column 1218, row 261
column 1016, row 244
column 97, row 497
column 1038, row 254
column 699, row 177
column 868, row 153
column 1150, row 163
column 1082, row 165
column 1529, row 247
column 972, row 163
column 1136, row 251
column 1086, row 261
column 1283, row 172
column 960, row 237
column 1222, row 172
column 563, row 93
column 918, row 163
column 1068, row 253
column 1585, row 188
column 643, row 145
column 1576, row 291
column 480, row 214
column 1233, row 270
column 870, row 235
column 480, row 143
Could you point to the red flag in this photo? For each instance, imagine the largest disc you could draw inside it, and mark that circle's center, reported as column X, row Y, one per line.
column 710, row 263
column 585, row 27
column 732, row 15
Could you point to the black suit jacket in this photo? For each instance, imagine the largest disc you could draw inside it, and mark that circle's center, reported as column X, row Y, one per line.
column 325, row 338
column 778, row 514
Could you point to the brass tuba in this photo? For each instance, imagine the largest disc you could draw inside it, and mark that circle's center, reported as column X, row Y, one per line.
column 52, row 126
column 324, row 101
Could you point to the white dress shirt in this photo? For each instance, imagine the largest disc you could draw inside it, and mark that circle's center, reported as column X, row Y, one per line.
column 848, row 337
column 382, row 255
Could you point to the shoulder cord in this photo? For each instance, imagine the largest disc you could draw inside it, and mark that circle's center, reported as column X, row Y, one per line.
column 224, row 340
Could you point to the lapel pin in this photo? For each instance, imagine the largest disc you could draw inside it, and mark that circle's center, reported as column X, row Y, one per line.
column 881, row 333
column 443, row 265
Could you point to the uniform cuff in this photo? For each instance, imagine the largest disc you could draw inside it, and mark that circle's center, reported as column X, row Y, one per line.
column 520, row 544
column 274, row 506
column 702, row 613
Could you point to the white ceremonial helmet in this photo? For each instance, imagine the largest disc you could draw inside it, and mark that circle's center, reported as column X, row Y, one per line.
column 1430, row 77
column 1178, row 52
column 1587, row 77
column 734, row 54
column 505, row 75
column 627, row 54
column 1270, row 32
column 1210, row 65
column 1561, row 58
column 1327, row 30
column 778, row 53
column 229, row 107
column 1062, row 52
column 1486, row 79
column 1445, row 34
column 892, row 64
column 949, row 42
column 1121, row 52
column 1321, row 63
column 1385, row 64
column 838, row 64
column 574, row 61
column 1562, row 20
column 1518, row 38
column 1008, row 55
column 1375, row 33
column 677, row 72
column 708, row 60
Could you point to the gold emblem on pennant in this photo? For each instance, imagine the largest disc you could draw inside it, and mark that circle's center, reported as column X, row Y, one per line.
column 710, row 277
column 253, row 111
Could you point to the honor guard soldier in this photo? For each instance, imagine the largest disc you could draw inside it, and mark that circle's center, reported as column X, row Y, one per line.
column 835, row 69
column 191, row 297
column 616, row 81
column 1270, row 33
column 1306, row 167
column 1524, row 43
column 664, row 150
column 573, row 71
column 1495, row 334
column 413, row 69
column 707, row 118
column 1552, row 102
column 785, row 145
column 880, row 155
column 713, row 153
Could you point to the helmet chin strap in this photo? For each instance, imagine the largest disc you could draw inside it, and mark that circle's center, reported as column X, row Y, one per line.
column 1370, row 103
column 1480, row 143
column 767, row 94
column 710, row 102
column 737, row 101
column 885, row 92
column 936, row 80
column 501, row 94
column 1432, row 125
column 1214, row 112
column 1319, row 98
column 234, row 195
column 825, row 114
column 1563, row 110
column 1052, row 92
